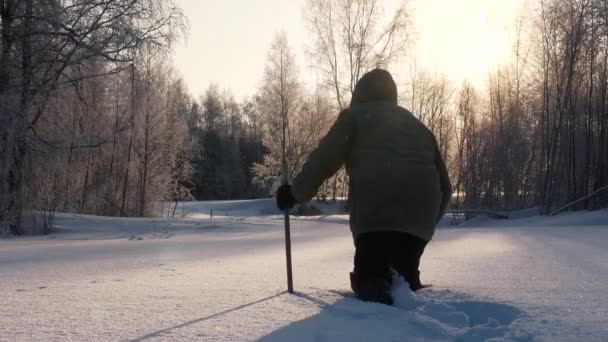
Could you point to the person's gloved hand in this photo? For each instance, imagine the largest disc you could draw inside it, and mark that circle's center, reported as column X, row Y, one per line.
column 285, row 199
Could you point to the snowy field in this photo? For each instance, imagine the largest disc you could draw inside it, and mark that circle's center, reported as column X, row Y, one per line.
column 223, row 279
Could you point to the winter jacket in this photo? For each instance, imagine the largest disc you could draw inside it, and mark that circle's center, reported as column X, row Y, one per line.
column 398, row 180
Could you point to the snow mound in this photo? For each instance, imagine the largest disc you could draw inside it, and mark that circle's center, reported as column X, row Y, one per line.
column 244, row 208
column 249, row 208
column 428, row 315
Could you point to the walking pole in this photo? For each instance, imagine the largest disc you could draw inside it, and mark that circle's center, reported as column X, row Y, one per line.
column 287, row 235
column 285, row 181
column 288, row 253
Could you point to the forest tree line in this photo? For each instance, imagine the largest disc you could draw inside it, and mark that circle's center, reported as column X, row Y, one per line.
column 95, row 120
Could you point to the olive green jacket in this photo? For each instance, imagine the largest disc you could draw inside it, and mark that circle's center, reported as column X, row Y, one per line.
column 398, row 180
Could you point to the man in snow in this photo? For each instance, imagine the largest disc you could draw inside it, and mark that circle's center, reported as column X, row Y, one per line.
column 399, row 185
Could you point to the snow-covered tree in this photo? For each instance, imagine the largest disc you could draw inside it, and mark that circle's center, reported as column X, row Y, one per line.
column 279, row 101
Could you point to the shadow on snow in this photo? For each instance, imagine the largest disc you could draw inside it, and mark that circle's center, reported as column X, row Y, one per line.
column 417, row 318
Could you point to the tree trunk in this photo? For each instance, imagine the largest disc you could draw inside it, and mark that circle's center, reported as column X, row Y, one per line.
column 132, row 133
column 16, row 173
column 145, row 163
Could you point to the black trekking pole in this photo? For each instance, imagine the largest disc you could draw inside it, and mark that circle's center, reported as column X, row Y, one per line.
column 285, row 181
column 288, row 252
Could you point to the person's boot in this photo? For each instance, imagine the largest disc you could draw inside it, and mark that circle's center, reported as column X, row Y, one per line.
column 414, row 282
column 371, row 289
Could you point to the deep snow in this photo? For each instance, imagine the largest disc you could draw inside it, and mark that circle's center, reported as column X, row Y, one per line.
column 196, row 278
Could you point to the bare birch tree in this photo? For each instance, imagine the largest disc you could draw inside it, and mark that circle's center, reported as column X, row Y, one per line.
column 279, row 100
column 44, row 45
column 351, row 37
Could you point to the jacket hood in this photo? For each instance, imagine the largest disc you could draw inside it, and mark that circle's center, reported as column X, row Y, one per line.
column 376, row 85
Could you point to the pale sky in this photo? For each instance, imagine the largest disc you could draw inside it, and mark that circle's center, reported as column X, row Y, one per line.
column 229, row 40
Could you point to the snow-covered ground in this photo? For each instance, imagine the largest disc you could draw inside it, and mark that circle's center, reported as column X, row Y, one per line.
column 223, row 279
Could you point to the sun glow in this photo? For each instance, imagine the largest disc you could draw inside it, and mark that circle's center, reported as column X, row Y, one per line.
column 465, row 39
column 228, row 42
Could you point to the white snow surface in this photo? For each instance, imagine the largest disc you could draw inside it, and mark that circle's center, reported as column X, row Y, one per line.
column 195, row 278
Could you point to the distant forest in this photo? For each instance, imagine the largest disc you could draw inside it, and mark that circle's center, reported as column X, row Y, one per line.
column 95, row 120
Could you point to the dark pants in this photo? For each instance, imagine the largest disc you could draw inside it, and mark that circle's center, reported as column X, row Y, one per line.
column 379, row 252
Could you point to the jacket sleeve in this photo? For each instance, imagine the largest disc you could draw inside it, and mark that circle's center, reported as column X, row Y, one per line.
column 444, row 181
column 326, row 159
